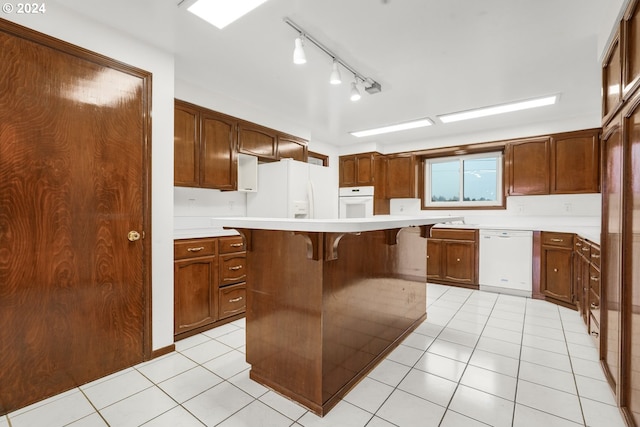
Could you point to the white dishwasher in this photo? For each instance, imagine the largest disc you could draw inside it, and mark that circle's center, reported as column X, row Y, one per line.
column 506, row 258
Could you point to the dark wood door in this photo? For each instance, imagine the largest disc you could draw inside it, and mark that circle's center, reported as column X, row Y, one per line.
column 459, row 262
column 556, row 274
column 257, row 140
column 631, row 253
column 194, row 295
column 73, row 153
column 401, row 177
column 612, row 221
column 218, row 163
column 527, row 167
column 364, row 169
column 290, row 147
column 347, row 171
column 575, row 162
column 186, row 145
column 434, row 259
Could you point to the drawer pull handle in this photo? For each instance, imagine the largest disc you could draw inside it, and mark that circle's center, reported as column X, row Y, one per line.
column 195, row 249
column 595, row 278
column 595, row 256
column 235, row 299
column 586, row 248
column 235, row 267
column 594, row 306
column 556, row 240
column 236, row 245
column 578, row 244
column 595, row 334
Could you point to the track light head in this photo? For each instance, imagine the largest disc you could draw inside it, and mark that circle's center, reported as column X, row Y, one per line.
column 354, row 95
column 299, row 57
column 335, row 78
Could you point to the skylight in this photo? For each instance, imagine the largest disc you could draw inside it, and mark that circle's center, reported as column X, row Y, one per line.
column 221, row 13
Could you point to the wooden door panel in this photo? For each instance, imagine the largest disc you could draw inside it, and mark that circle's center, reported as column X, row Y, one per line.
column 186, row 148
column 347, row 171
column 556, row 282
column 218, row 166
column 459, row 261
column 72, row 151
column 528, row 167
column 434, row 259
column 631, row 279
column 194, row 293
column 575, row 159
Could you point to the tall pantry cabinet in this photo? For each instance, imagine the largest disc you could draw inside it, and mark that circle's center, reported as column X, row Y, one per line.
column 620, row 316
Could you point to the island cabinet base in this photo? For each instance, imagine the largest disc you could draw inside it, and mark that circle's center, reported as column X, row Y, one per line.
column 324, row 308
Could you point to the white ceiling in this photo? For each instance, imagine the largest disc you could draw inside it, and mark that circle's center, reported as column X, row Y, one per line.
column 430, row 56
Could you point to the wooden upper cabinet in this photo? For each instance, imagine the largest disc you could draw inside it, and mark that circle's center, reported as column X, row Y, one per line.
column 186, row 145
column 575, row 162
column 357, row 170
column 291, row 147
column 401, row 176
column 257, row 140
column 218, row 163
column 612, row 79
column 527, row 167
column 631, row 56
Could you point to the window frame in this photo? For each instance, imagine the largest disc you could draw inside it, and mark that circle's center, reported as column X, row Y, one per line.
column 425, row 195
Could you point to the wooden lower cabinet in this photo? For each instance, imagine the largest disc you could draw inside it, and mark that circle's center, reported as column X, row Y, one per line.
column 556, row 267
column 209, row 283
column 452, row 257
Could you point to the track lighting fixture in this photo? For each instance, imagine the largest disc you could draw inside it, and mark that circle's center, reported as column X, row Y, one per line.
column 335, row 78
column 354, row 94
column 370, row 85
column 299, row 57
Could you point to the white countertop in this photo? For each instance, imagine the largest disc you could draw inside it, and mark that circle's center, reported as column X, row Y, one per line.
column 342, row 225
column 591, row 233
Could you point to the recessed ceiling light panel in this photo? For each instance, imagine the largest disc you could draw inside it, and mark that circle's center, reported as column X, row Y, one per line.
column 498, row 109
column 221, row 13
column 394, row 128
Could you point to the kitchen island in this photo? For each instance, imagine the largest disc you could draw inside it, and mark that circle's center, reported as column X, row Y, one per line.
column 326, row 300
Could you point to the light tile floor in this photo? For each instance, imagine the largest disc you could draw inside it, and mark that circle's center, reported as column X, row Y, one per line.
column 480, row 359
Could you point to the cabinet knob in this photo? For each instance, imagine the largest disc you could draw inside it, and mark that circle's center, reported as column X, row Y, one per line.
column 133, row 236
column 555, row 270
column 458, row 260
column 427, row 256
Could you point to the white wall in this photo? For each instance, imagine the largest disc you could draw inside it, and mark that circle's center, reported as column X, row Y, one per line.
column 70, row 27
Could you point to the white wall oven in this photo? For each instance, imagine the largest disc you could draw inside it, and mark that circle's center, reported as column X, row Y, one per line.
column 356, row 202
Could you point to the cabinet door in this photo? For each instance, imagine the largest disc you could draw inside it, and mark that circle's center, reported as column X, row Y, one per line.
column 575, row 160
column 401, row 176
column 194, row 293
column 459, row 262
column 186, row 146
column 290, row 147
column 612, row 80
column 218, row 162
column 528, row 167
column 434, row 259
column 612, row 252
column 347, row 171
column 257, row 141
column 556, row 274
column 364, row 169
column 631, row 29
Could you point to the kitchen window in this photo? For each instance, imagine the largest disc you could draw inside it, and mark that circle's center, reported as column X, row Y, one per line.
column 473, row 180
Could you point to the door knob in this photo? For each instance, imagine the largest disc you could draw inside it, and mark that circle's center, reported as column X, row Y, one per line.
column 133, row 236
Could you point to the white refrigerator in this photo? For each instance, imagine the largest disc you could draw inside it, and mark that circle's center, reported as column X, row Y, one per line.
column 293, row 189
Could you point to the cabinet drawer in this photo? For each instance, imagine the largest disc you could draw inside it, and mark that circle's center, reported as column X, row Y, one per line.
column 232, row 269
column 579, row 244
column 595, row 255
column 232, row 300
column 453, row 234
column 594, row 280
column 194, row 248
column 564, row 240
column 231, row 244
